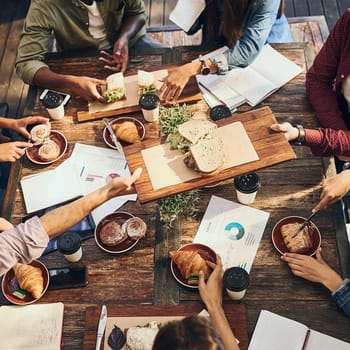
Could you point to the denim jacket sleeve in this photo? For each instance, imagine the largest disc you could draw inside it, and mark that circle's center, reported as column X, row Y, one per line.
column 341, row 296
column 260, row 18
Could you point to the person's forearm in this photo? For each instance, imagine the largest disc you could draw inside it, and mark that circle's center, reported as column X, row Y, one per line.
column 6, row 122
column 61, row 219
column 220, row 323
column 48, row 79
column 131, row 26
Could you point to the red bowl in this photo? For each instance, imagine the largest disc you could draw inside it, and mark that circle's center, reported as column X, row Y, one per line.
column 10, row 284
column 204, row 251
column 59, row 138
column 277, row 239
column 120, row 217
column 139, row 126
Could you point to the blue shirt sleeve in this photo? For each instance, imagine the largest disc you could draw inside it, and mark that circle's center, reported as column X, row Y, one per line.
column 257, row 27
column 341, row 297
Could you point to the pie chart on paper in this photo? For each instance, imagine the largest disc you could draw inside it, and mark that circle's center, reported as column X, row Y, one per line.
column 235, row 231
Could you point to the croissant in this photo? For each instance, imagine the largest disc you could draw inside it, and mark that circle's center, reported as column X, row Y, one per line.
column 127, row 131
column 190, row 263
column 29, row 278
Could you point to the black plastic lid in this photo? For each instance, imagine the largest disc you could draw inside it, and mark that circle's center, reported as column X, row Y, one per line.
column 69, row 243
column 219, row 112
column 52, row 100
column 236, row 279
column 248, row 183
column 149, row 101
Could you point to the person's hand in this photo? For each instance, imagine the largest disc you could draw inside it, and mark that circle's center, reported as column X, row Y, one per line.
column 118, row 61
column 11, row 151
column 211, row 290
column 21, row 124
column 86, row 88
column 290, row 132
column 334, row 188
column 5, row 225
column 176, row 80
column 313, row 269
column 123, row 184
column 344, row 158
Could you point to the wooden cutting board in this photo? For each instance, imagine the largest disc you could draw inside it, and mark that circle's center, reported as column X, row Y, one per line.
column 235, row 313
column 98, row 110
column 271, row 147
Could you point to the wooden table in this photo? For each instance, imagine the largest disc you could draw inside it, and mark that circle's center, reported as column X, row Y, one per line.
column 139, row 276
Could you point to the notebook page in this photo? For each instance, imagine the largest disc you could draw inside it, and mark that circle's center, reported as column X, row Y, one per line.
column 275, row 67
column 274, row 332
column 320, row 341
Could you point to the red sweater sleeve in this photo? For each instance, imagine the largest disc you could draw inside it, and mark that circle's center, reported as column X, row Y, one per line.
column 323, row 80
column 328, row 142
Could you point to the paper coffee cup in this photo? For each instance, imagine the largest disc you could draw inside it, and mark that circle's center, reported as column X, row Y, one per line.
column 247, row 187
column 149, row 104
column 54, row 105
column 69, row 244
column 236, row 282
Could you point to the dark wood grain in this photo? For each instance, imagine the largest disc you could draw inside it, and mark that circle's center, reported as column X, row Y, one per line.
column 272, row 148
column 236, row 314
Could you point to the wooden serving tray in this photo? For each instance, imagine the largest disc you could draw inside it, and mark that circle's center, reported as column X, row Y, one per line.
column 190, row 94
column 271, row 147
column 235, row 313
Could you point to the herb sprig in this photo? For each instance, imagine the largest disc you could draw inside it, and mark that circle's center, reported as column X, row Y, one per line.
column 183, row 203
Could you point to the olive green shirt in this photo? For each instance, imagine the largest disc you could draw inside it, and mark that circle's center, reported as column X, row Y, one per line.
column 68, row 22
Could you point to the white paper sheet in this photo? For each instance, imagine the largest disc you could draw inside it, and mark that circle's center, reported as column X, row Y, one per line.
column 186, row 12
column 87, row 169
column 233, row 231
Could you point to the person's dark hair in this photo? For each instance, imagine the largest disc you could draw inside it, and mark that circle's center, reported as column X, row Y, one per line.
column 228, row 24
column 190, row 333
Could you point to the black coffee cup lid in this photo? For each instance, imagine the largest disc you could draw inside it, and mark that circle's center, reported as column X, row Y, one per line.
column 219, row 112
column 52, row 99
column 69, row 242
column 248, row 183
column 236, row 279
column 149, row 101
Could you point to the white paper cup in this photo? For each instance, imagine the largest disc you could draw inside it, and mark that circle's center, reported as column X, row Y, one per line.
column 54, row 105
column 56, row 113
column 69, row 244
column 236, row 282
column 247, row 187
column 149, row 104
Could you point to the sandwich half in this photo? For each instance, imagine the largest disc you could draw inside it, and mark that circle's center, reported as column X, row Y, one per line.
column 115, row 87
column 206, row 156
column 146, row 82
column 195, row 129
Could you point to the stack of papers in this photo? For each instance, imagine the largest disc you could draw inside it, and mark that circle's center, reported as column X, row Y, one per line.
column 87, row 169
column 268, row 72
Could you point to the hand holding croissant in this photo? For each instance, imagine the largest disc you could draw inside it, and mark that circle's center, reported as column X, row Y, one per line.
column 190, row 263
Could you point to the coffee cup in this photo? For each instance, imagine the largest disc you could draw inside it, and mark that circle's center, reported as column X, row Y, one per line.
column 247, row 187
column 53, row 102
column 149, row 104
column 236, row 282
column 69, row 244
